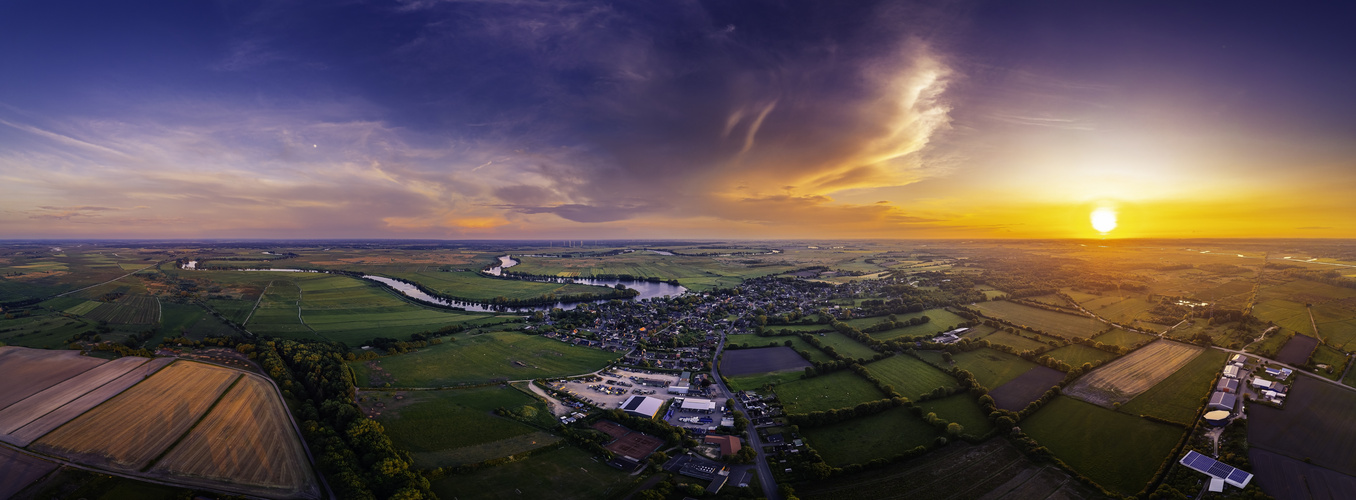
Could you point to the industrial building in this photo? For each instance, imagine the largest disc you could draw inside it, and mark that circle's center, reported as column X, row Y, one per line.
column 642, row 406
column 700, row 405
column 1223, row 401
column 1219, row 472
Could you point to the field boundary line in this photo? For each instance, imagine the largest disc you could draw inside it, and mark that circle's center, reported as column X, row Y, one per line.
column 159, row 310
column 202, row 417
column 49, row 412
column 256, row 304
column 63, row 294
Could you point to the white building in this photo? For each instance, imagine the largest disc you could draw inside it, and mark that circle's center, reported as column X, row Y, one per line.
column 642, row 406
column 701, row 405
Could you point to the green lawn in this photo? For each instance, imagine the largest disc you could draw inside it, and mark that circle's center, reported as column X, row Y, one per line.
column 1119, row 451
column 961, row 409
column 1068, row 325
column 484, row 357
column 1077, row 354
column 863, row 439
column 1177, row 397
column 565, row 473
column 840, row 389
column 1334, row 358
column 910, row 376
column 992, row 368
column 451, row 427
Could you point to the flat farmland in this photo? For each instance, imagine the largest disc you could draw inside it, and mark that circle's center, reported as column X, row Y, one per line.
column 762, row 360
column 910, row 376
column 1315, row 424
column 1123, row 338
column 35, row 429
column 1016, row 341
column 758, row 381
column 1068, row 325
column 939, row 320
column 1075, row 355
column 991, row 470
column 354, row 311
column 840, row 389
column 48, row 331
column 846, row 346
column 38, row 369
column 566, row 473
column 453, row 427
column 482, row 358
column 31, row 408
column 1123, row 379
column 83, row 307
column 134, row 309
column 695, row 272
column 1120, row 310
column 1296, row 351
column 1178, row 397
column 962, row 409
column 992, row 368
column 1096, row 441
column 18, row 470
column 863, row 439
column 1027, row 387
column 279, row 312
column 1285, row 478
column 127, row 431
column 246, row 442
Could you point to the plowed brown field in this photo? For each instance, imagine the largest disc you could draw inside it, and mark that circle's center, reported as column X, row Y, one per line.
column 1123, row 379
column 26, row 372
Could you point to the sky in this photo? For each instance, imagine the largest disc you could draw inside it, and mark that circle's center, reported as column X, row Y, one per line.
column 724, row 119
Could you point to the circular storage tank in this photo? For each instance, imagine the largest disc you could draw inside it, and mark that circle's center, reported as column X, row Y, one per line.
column 1217, row 417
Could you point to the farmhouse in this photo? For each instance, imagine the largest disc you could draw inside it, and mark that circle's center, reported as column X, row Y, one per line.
column 1223, row 401
column 642, row 406
column 701, row 405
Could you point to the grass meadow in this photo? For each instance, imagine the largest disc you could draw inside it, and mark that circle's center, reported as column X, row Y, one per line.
column 840, row 389
column 1119, row 451
column 564, row 473
column 1178, row 397
column 1077, row 354
column 992, row 368
column 910, row 376
column 1068, row 325
column 863, row 439
column 451, row 427
column 484, row 357
column 961, row 409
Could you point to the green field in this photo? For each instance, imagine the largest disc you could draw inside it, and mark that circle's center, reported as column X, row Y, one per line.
column 1123, row 338
column 482, row 358
column 452, row 427
column 83, row 307
column 845, row 346
column 939, row 320
column 44, row 331
column 992, row 368
column 1324, row 355
column 910, row 376
column 1120, row 310
column 695, row 272
column 1177, row 397
column 1016, row 341
column 961, row 409
column 564, row 473
column 472, row 286
column 756, row 381
column 1067, row 325
column 816, row 355
column 840, row 389
column 1099, row 443
column 863, row 439
column 133, row 309
column 350, row 310
column 1076, row 354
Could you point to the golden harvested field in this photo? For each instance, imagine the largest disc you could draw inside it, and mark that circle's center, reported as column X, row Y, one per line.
column 26, row 372
column 128, row 431
column 1123, row 379
column 30, row 408
column 246, row 440
column 46, row 423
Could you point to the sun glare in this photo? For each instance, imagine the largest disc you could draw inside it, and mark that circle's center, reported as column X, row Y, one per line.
column 1104, row 220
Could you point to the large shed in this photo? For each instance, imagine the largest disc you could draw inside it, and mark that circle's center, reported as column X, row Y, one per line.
column 642, row 406
column 1223, row 401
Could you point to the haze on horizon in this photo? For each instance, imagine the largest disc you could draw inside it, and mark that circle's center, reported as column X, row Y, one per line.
column 587, row 120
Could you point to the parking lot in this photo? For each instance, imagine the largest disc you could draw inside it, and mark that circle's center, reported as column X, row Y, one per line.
column 609, row 388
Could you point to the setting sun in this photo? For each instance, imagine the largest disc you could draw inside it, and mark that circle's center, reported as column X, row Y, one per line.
column 1104, row 220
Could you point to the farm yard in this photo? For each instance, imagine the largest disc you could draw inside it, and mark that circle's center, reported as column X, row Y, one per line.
column 1315, row 425
column 1084, row 435
column 762, row 360
column 1069, row 325
column 910, row 376
column 454, row 427
column 863, row 439
column 465, row 358
column 1179, row 395
column 840, row 389
column 993, row 469
column 1027, row 387
column 1123, row 379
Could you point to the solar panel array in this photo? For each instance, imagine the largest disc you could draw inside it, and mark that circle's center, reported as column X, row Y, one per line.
column 1207, row 465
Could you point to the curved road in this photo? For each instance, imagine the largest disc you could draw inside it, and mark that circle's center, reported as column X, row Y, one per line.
column 765, row 478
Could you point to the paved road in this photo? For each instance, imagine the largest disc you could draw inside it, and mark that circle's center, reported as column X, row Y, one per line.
column 765, row 478
column 1297, row 370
